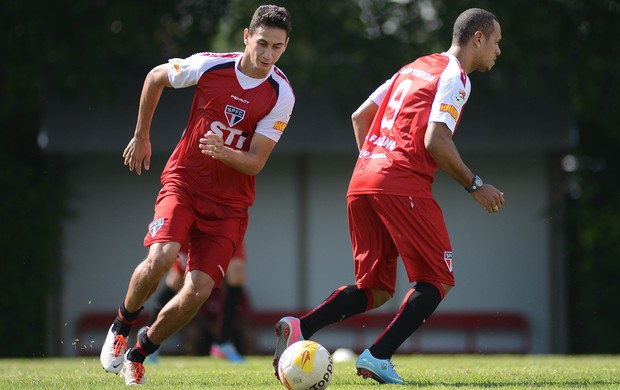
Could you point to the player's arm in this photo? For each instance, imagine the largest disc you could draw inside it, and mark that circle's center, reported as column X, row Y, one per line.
column 362, row 119
column 138, row 151
column 438, row 141
column 250, row 162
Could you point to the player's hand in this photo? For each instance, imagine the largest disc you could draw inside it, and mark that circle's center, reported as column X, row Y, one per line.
column 489, row 197
column 138, row 152
column 213, row 145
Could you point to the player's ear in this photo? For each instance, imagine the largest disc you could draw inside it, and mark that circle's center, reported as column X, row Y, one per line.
column 478, row 37
column 246, row 36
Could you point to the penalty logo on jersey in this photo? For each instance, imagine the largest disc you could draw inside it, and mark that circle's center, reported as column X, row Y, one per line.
column 234, row 115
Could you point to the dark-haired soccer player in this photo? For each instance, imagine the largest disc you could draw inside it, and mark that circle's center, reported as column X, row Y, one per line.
column 404, row 133
column 241, row 106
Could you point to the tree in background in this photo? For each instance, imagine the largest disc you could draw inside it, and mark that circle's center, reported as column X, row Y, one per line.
column 74, row 48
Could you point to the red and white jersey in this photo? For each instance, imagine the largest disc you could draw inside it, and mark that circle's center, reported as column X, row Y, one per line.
column 393, row 159
column 232, row 105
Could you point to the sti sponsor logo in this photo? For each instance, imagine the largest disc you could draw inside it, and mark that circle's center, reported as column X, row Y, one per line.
column 450, row 109
column 459, row 98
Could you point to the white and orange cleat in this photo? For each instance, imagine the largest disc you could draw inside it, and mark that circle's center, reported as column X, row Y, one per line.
column 133, row 372
column 113, row 352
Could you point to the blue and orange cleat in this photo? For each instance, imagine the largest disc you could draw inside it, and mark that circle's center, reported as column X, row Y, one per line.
column 381, row 370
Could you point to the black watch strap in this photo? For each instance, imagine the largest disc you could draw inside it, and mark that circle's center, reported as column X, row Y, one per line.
column 476, row 183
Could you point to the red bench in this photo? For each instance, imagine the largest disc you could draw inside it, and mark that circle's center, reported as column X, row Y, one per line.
column 458, row 332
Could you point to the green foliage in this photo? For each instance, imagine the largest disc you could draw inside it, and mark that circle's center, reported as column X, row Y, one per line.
column 359, row 44
column 75, row 49
column 32, row 209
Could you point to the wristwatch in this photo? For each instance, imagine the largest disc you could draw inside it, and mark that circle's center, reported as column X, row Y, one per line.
column 475, row 184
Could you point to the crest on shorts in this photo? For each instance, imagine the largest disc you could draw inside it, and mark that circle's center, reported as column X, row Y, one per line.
column 447, row 257
column 155, row 226
column 234, row 115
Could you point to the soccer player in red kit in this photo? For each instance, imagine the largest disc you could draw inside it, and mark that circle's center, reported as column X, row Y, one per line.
column 242, row 104
column 404, row 133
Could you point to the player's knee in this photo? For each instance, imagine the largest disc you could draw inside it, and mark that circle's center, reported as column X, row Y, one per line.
column 197, row 287
column 161, row 257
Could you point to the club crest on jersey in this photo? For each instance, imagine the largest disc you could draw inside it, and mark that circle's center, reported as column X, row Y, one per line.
column 155, row 226
column 447, row 257
column 234, row 115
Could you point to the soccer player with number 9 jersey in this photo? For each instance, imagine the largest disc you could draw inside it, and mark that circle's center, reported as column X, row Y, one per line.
column 404, row 135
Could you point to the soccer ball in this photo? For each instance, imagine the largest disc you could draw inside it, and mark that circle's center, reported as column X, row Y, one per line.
column 305, row 365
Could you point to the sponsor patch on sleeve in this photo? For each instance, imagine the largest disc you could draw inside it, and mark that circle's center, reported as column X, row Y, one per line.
column 279, row 125
column 450, row 109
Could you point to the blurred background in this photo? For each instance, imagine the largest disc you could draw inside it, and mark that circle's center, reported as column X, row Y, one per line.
column 541, row 126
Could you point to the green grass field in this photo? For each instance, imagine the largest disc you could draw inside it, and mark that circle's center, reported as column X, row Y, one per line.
column 428, row 372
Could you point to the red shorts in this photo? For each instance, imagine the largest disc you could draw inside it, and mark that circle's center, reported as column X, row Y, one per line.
column 181, row 261
column 211, row 231
column 382, row 227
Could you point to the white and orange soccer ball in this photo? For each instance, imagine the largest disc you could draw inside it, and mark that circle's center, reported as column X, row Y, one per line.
column 305, row 365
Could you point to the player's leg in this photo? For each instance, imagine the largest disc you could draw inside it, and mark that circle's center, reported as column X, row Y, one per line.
column 206, row 264
column 173, row 317
column 170, row 226
column 375, row 271
column 172, row 285
column 235, row 280
column 182, row 307
column 424, row 246
column 143, row 284
column 374, row 258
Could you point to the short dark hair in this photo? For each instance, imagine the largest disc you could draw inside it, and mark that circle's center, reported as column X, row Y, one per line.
column 470, row 21
column 271, row 16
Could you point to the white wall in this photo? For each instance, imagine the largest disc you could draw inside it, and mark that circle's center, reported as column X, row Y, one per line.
column 500, row 260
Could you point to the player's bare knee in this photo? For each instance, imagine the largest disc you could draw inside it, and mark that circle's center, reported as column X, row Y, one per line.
column 161, row 256
column 194, row 297
column 197, row 286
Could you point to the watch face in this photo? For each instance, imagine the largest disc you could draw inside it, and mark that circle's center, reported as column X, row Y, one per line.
column 478, row 182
